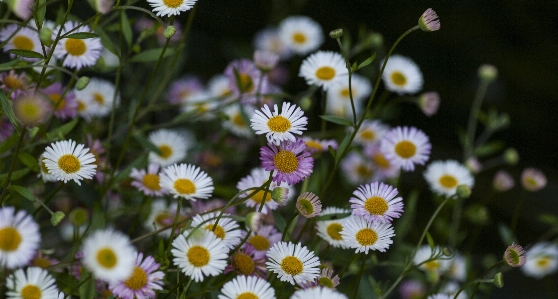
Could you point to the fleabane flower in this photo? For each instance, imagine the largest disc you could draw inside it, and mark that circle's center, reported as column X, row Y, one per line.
column 66, row 161
column 301, row 34
column 145, row 279
column 262, row 239
column 64, row 107
column 172, row 145
column 371, row 131
column 246, row 80
column 199, row 253
column 171, row 7
column 33, row 282
column 308, row 204
column 20, row 38
column 77, row 53
column 290, row 161
column 187, row 181
column 277, row 126
column 318, row 293
column 109, row 255
column 246, row 261
column 247, row 287
column 339, row 96
column 148, row 180
column 97, row 99
column 257, row 178
column 533, row 179
column 542, row 260
column 503, row 181
column 402, row 75
column 330, row 230
column 377, row 202
column 19, row 238
column 405, row 147
column 227, row 229
column 324, row 69
column 318, row 145
column 363, row 236
column 514, row 255
column 163, row 215
column 444, row 177
column 428, row 21
column 293, row 263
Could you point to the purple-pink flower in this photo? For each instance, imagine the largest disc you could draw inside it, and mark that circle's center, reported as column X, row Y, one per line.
column 290, row 161
column 144, row 281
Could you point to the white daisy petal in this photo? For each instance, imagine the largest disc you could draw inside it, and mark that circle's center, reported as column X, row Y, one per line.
column 19, row 238
column 171, row 7
column 279, row 126
column 293, row 263
column 405, row 147
column 31, row 283
column 301, row 34
column 247, row 287
column 324, row 69
column 365, row 236
column 66, row 161
column 77, row 53
column 444, row 177
column 402, row 75
column 187, row 181
column 172, row 145
column 227, row 229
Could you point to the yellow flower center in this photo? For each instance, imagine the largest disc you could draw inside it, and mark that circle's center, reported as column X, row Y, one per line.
column 405, row 149
column 380, row 161
column 334, row 231
column 198, row 256
column 9, row 239
column 23, row 42
column 31, row 292
column 75, row 47
column 238, row 120
column 58, row 101
column 448, row 181
column 81, row 106
column 326, row 282
column 285, row 161
column 219, row 230
column 367, row 135
column 260, row 243
column 166, row 151
column 245, row 83
column 164, row 218
column 366, row 237
column 184, row 186
column 279, row 124
column 99, row 98
column 138, row 279
column 306, row 206
column 531, row 181
column 432, row 265
column 299, row 38
column 376, row 205
column 345, row 93
column 173, row 3
column 41, row 262
column 244, row 263
column 325, row 73
column 314, row 145
column 258, row 197
column 292, row 265
column 13, row 83
column 363, row 171
column 69, row 163
column 247, row 295
column 29, row 110
column 543, row 262
column 106, row 258
column 151, row 181
column 398, row 79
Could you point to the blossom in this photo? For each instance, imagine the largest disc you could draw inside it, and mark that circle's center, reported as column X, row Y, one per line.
column 33, row 282
column 301, row 34
column 428, row 21
column 514, row 255
column 292, row 263
column 247, row 287
column 291, row 161
column 324, row 69
column 362, row 235
column 405, row 147
column 277, row 126
column 171, row 8
column 19, row 238
column 145, row 279
column 66, row 161
column 77, row 53
column 377, row 202
column 444, row 177
column 402, row 75
column 187, row 181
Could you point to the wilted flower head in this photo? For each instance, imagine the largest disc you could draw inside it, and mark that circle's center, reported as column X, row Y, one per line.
column 514, row 256
column 533, row 179
column 429, row 21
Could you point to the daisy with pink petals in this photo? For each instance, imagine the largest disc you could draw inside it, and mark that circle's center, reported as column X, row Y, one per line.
column 245, row 80
column 405, row 147
column 148, row 181
column 65, row 105
column 143, row 282
column 290, row 161
column 377, row 202
column 263, row 239
column 247, row 262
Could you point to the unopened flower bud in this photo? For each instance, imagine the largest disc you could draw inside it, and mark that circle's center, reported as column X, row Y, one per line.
column 169, row 31
column 511, row 156
column 82, row 83
column 499, row 280
column 376, row 39
column 78, row 216
column 45, row 35
column 463, row 191
column 254, row 220
column 279, row 195
column 447, row 251
column 428, row 21
column 56, row 218
column 488, row 72
column 335, row 34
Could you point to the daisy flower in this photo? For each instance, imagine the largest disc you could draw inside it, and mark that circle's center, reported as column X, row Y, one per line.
column 244, row 77
column 31, row 108
column 362, row 235
column 19, row 238
column 371, row 131
column 181, row 89
column 339, row 99
column 99, row 96
column 405, row 147
column 265, row 60
column 402, row 75
column 264, row 238
column 218, row 87
column 145, row 279
column 148, row 181
column 268, row 40
column 293, row 263
column 14, row 83
column 542, row 260
column 163, row 215
column 291, row 162
column 43, row 171
column 20, row 38
column 200, row 105
column 318, row 293
column 227, row 229
column 236, row 122
column 457, row 269
column 444, row 177
column 330, row 230
column 326, row 279
column 202, row 254
column 308, row 205
column 377, row 202
column 172, row 145
column 301, row 34
column 186, row 181
column 33, row 282
column 248, row 262
column 533, row 179
column 514, row 255
column 357, row 169
column 279, row 127
column 318, row 145
column 383, row 168
column 66, row 161
column 77, row 53
column 109, row 255
column 324, row 69
column 247, row 287
column 64, row 107
column 171, row 8
column 425, row 253
column 503, row 181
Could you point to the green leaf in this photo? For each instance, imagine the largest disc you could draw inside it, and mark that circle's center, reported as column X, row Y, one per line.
column 151, row 55
column 82, row 35
column 106, row 41
column 28, row 160
column 145, row 143
column 25, row 53
column 8, row 144
column 548, row 219
column 279, row 220
column 87, row 286
column 489, row 148
column 8, row 110
column 336, row 120
column 41, row 11
column 8, row 65
column 430, row 241
column 342, row 147
column 506, row 234
column 137, row 163
column 15, row 175
column 61, row 131
column 366, row 62
column 33, row 132
column 22, row 191
column 126, row 28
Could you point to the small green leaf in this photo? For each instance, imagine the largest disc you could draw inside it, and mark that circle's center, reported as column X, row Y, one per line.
column 106, row 41
column 336, row 120
column 366, row 62
column 33, row 131
column 61, row 131
column 25, row 53
column 506, row 234
column 41, row 11
column 8, row 110
column 28, row 160
column 8, row 65
column 342, row 147
column 126, row 28
column 430, row 241
column 8, row 144
column 87, row 286
column 82, row 35
column 279, row 220
column 331, row 151
column 489, row 148
column 23, row 192
column 548, row 219
column 15, row 175
column 151, row 55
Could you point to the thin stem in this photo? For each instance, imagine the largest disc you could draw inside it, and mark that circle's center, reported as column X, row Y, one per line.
column 457, row 211
column 174, row 223
column 288, row 225
column 359, row 277
column 12, row 166
column 484, row 274
column 348, row 66
column 472, row 123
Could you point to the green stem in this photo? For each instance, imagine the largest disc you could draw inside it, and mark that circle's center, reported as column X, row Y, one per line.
column 457, row 211
column 348, row 66
column 472, row 123
column 359, row 277
column 484, row 274
column 12, row 166
column 288, row 225
column 174, row 223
